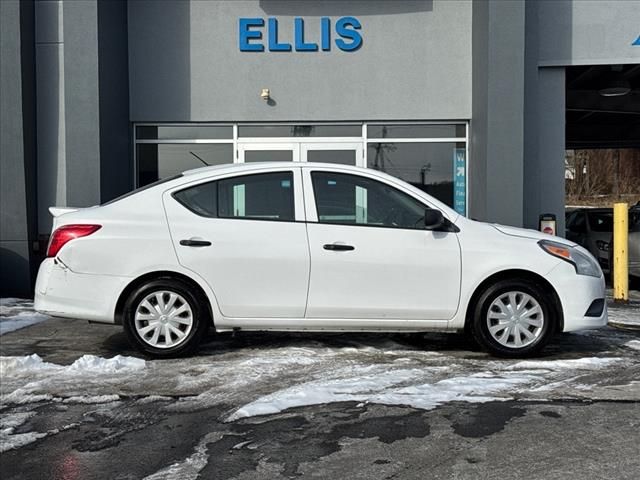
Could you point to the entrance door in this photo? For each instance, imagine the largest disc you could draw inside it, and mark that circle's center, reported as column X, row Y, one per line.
column 268, row 152
column 293, row 150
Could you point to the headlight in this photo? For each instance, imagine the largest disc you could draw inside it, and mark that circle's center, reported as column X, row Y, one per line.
column 583, row 263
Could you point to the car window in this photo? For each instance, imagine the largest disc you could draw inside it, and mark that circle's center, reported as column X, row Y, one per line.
column 634, row 220
column 267, row 196
column 601, row 221
column 354, row 200
column 578, row 223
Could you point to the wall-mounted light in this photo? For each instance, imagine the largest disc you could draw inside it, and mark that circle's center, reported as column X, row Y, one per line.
column 616, row 85
column 265, row 94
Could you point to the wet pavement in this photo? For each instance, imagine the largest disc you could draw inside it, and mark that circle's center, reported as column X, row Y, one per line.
column 272, row 406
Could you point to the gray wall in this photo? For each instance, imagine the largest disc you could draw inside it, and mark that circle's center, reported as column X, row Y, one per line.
column 16, row 147
column 544, row 110
column 185, row 63
column 81, row 110
column 82, row 97
column 497, row 124
column 579, row 32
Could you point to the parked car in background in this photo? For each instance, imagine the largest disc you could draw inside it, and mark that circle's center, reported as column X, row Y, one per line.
column 634, row 243
column 310, row 247
column 592, row 228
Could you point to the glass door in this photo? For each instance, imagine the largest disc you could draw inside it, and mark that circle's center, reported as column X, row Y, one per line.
column 332, row 152
column 268, row 152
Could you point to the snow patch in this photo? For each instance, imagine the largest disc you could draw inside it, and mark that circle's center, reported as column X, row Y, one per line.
column 589, row 363
column 634, row 344
column 88, row 399
column 91, row 363
column 391, row 388
column 17, row 313
column 190, row 467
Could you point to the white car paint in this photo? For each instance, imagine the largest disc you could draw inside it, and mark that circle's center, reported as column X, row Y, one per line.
column 263, row 275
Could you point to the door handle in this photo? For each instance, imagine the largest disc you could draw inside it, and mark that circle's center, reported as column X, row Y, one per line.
column 195, row 243
column 338, row 247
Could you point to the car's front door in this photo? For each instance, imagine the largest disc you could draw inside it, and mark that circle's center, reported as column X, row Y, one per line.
column 371, row 256
column 245, row 236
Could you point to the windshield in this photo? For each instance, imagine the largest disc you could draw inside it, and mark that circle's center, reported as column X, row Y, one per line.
column 601, row 221
column 634, row 220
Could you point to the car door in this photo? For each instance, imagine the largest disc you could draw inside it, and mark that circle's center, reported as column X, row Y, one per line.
column 245, row 235
column 370, row 256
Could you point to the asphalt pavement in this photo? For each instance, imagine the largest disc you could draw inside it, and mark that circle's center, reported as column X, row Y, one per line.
column 274, row 406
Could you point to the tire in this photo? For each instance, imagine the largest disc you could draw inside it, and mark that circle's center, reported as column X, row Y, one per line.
column 531, row 321
column 180, row 315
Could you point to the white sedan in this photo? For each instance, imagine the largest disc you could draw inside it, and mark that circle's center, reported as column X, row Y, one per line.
column 310, row 247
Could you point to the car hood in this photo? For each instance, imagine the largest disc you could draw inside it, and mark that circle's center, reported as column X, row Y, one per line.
column 528, row 233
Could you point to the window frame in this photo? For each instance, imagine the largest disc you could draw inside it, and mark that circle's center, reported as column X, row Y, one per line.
column 295, row 189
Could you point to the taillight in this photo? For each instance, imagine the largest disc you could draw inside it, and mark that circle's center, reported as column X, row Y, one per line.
column 66, row 233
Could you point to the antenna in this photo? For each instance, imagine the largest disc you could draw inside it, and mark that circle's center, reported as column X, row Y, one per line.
column 199, row 158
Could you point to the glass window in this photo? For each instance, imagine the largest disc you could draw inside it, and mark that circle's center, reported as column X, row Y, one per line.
column 300, row 131
column 427, row 166
column 354, row 200
column 416, row 131
column 343, row 157
column 161, row 160
column 601, row 221
column 184, row 132
column 267, row 196
column 268, row 156
column 578, row 223
column 201, row 199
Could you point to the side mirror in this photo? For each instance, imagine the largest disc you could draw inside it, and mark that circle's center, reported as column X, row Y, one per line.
column 433, row 219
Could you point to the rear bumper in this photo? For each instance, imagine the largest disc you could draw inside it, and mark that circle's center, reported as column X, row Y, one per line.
column 61, row 292
column 577, row 293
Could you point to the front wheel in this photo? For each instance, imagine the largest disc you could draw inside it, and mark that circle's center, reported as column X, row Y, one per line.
column 164, row 318
column 513, row 318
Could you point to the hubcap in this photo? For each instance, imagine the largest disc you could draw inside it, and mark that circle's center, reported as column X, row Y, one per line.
column 163, row 319
column 515, row 319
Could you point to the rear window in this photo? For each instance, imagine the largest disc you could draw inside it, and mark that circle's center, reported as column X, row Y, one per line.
column 265, row 196
column 141, row 189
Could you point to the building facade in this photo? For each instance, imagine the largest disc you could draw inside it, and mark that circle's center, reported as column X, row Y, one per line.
column 464, row 99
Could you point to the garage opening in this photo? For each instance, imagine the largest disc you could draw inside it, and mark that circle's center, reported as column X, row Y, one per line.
column 602, row 157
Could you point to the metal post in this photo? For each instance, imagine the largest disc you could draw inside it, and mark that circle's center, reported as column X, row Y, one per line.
column 620, row 252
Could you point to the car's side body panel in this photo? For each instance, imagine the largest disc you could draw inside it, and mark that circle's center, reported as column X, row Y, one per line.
column 256, row 274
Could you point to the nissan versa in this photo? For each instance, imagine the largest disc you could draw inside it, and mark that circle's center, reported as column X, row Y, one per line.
column 310, row 247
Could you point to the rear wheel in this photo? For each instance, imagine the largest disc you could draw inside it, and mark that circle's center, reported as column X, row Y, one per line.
column 165, row 318
column 513, row 318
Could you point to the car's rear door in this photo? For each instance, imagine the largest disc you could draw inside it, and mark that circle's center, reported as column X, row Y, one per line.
column 245, row 235
column 371, row 258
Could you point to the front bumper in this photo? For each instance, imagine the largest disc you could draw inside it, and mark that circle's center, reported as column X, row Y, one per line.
column 577, row 293
column 60, row 292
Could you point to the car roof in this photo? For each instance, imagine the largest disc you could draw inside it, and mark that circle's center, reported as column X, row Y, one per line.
column 266, row 165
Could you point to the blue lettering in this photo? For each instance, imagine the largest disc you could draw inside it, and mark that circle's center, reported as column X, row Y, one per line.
column 274, row 46
column 246, row 34
column 343, row 30
column 325, row 28
column 301, row 46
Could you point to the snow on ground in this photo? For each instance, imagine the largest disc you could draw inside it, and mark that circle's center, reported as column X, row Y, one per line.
column 16, row 313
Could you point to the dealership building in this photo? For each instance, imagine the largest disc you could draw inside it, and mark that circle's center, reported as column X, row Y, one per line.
column 474, row 102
